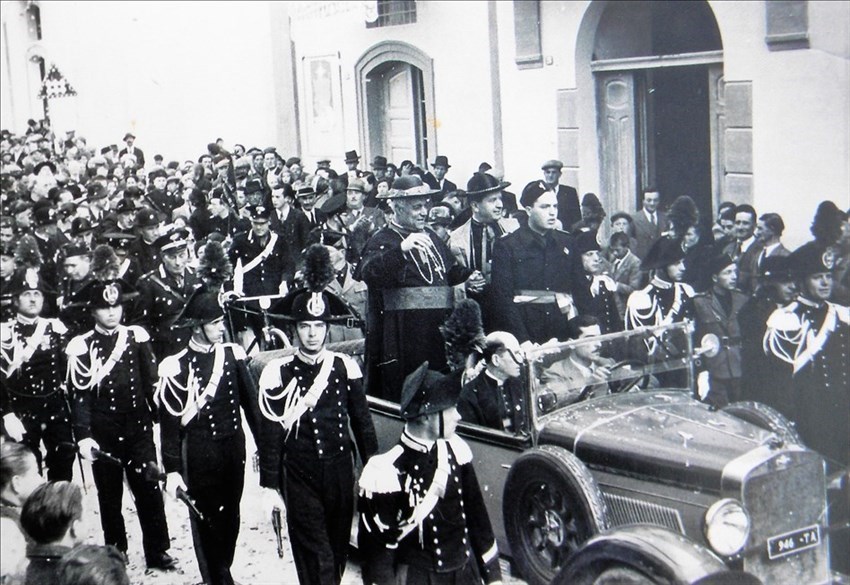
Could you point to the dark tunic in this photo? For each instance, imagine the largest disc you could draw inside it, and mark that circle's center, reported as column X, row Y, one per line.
column 484, row 402
column 204, row 441
column 118, row 413
column 161, row 299
column 310, row 459
column 410, row 296
column 266, row 276
column 33, row 373
column 528, row 270
column 454, row 543
column 595, row 298
column 814, row 338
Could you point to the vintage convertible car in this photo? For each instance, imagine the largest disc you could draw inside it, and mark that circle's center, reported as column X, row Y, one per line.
column 620, row 475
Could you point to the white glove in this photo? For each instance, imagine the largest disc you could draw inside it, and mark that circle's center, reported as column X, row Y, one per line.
column 271, row 500
column 173, row 482
column 14, row 427
column 87, row 447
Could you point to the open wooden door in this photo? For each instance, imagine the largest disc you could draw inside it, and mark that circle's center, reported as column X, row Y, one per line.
column 615, row 96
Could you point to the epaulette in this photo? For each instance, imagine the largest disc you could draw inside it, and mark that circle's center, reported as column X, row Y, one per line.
column 461, row 450
column 270, row 376
column 380, row 475
column 78, row 346
column 170, row 366
column 139, row 333
column 639, row 300
column 843, row 313
column 238, row 350
column 352, row 368
column 58, row 326
column 6, row 331
column 784, row 319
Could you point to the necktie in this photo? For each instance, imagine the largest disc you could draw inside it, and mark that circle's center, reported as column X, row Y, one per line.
column 486, row 247
column 653, row 220
column 737, row 249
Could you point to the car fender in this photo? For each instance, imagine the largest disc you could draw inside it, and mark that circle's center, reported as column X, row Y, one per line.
column 661, row 554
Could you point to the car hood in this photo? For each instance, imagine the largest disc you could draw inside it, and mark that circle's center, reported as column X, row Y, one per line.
column 666, row 436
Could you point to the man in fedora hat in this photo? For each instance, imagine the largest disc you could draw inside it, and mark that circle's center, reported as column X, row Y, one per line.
column 410, row 273
column 202, row 392
column 312, row 403
column 472, row 241
column 164, row 292
column 352, row 159
column 32, row 398
column 437, row 179
column 426, row 485
column 130, row 149
column 306, row 197
column 112, row 372
column 147, row 223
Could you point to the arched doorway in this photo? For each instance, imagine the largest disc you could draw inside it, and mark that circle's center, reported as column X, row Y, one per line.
column 657, row 69
column 395, row 93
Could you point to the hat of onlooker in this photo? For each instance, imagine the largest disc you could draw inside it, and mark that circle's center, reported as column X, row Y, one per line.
column 379, row 163
column 552, row 164
column 351, row 156
column 441, row 161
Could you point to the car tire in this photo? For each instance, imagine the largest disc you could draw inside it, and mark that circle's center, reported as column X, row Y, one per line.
column 622, row 575
column 551, row 506
column 767, row 418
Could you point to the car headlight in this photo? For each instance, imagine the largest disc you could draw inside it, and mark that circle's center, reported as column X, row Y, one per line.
column 727, row 526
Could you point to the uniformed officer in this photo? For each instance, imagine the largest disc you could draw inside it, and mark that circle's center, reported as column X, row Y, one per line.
column 32, row 397
column 716, row 311
column 112, row 372
column 812, row 336
column 533, row 273
column 595, row 290
column 164, row 292
column 666, row 299
column 200, row 392
column 147, row 224
column 311, row 401
column 421, row 508
column 77, row 268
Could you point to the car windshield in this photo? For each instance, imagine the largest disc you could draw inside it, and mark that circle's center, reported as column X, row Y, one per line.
column 568, row 372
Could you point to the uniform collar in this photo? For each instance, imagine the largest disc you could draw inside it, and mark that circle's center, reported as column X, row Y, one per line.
column 662, row 284
column 26, row 320
column 105, row 332
column 421, row 445
column 312, row 359
column 200, row 347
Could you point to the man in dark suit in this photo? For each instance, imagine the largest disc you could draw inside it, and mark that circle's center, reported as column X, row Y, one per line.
column 437, row 179
column 569, row 209
column 494, row 398
column 358, row 214
column 745, row 249
column 306, row 197
column 129, row 139
column 768, row 233
column 649, row 223
column 625, row 269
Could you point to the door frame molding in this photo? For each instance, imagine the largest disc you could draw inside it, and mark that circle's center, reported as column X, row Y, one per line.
column 394, row 51
column 657, row 61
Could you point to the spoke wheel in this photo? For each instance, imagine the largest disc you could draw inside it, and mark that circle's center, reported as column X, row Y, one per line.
column 552, row 505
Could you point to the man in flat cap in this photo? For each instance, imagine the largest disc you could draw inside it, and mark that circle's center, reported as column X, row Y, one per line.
column 569, row 210
column 164, row 291
column 32, row 398
column 132, row 150
column 369, row 219
column 716, row 311
column 410, row 273
column 533, row 273
column 112, row 372
column 421, row 507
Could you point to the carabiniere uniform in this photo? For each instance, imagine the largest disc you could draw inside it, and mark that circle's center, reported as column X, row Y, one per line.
column 422, row 500
column 113, row 375
column 308, row 403
column 200, row 392
column 33, row 370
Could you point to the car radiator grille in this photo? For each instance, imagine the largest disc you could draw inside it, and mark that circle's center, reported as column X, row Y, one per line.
column 782, row 495
column 623, row 510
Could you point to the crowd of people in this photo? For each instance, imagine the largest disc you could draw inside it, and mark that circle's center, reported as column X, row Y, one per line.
column 116, row 269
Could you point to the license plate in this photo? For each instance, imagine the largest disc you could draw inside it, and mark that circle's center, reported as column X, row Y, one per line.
column 791, row 543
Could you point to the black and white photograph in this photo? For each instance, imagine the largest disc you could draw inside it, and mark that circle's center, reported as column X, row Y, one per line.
column 425, row 292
